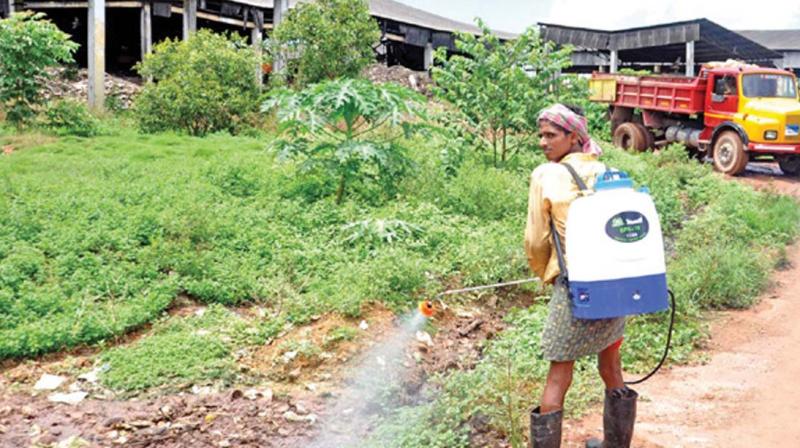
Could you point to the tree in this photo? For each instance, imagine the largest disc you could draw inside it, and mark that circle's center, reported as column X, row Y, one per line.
column 326, row 39
column 348, row 128
column 496, row 89
column 29, row 44
column 201, row 85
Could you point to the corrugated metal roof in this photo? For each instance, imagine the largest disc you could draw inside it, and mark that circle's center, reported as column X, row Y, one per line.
column 664, row 42
column 400, row 12
column 775, row 39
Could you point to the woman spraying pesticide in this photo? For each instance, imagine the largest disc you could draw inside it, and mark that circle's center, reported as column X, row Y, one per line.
column 586, row 311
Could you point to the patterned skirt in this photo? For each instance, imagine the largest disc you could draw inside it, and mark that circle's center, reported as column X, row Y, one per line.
column 566, row 338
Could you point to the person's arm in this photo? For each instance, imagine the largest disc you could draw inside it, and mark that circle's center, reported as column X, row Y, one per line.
column 538, row 245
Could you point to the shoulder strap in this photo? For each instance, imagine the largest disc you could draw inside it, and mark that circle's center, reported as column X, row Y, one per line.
column 578, row 181
column 562, row 264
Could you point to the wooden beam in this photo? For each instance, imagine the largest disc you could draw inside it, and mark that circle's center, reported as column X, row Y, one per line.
column 189, row 18
column 97, row 53
column 146, row 29
column 221, row 19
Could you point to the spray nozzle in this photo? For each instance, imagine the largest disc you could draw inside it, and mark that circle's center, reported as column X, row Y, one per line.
column 426, row 308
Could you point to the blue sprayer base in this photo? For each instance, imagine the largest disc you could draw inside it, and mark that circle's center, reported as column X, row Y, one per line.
column 615, row 298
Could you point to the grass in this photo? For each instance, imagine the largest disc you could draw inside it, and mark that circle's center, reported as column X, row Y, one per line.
column 725, row 239
column 99, row 235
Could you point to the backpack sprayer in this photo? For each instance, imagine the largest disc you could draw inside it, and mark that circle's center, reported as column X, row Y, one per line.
column 616, row 265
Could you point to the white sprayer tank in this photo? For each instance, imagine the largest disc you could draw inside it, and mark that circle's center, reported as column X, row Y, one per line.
column 615, row 251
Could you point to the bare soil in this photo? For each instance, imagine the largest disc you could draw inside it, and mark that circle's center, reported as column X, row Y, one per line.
column 747, row 392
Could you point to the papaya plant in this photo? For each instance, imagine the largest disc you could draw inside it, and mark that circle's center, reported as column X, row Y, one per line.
column 349, row 129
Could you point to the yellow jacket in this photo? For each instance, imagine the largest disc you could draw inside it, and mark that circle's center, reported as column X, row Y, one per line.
column 551, row 192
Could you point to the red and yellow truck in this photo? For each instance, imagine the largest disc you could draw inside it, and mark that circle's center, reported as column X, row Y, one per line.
column 733, row 112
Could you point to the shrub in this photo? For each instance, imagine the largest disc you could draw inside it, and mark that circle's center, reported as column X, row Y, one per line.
column 29, row 44
column 326, row 39
column 202, row 85
column 497, row 89
column 347, row 128
column 70, row 117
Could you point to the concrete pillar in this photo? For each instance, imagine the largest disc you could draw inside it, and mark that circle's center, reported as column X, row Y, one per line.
column 690, row 58
column 614, row 61
column 189, row 18
column 257, row 40
column 657, row 69
column 97, row 54
column 10, row 7
column 146, row 29
column 427, row 60
column 278, row 11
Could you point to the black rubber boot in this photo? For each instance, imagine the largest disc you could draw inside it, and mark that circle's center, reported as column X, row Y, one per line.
column 619, row 414
column 546, row 429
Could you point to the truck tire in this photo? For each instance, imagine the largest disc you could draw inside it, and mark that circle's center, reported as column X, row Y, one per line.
column 790, row 165
column 649, row 138
column 628, row 136
column 729, row 156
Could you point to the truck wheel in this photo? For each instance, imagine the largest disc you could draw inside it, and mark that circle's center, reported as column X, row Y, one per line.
column 790, row 165
column 629, row 137
column 648, row 136
column 729, row 156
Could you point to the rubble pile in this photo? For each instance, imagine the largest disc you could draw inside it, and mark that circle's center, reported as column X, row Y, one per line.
column 69, row 83
column 419, row 81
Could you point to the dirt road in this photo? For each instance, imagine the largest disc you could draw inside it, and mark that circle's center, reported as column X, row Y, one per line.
column 748, row 392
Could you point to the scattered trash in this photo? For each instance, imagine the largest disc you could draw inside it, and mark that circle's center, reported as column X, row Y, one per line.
column 425, row 338
column 202, row 390
column 253, row 394
column 72, row 442
column 294, row 418
column 72, row 398
column 363, row 325
column 49, row 382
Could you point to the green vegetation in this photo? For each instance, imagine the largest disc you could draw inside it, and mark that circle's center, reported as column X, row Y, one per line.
column 70, row 117
column 347, row 130
column 203, row 85
column 325, row 39
column 29, row 44
column 496, row 89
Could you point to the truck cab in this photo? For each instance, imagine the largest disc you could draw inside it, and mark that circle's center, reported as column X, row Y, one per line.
column 761, row 105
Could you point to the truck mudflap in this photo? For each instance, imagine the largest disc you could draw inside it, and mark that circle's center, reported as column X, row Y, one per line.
column 774, row 148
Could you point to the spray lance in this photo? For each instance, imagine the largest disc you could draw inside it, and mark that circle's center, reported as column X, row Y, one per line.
column 616, row 256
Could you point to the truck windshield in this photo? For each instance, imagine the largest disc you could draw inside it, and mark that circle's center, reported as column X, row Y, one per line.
column 769, row 85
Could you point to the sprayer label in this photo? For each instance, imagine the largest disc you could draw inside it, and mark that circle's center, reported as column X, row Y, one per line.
column 627, row 227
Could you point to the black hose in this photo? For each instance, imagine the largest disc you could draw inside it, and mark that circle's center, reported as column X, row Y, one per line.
column 666, row 349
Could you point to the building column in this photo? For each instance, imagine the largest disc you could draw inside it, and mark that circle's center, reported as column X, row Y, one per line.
column 427, row 58
column 10, row 7
column 614, row 61
column 146, row 29
column 97, row 54
column 189, row 18
column 690, row 58
column 257, row 40
column 278, row 11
